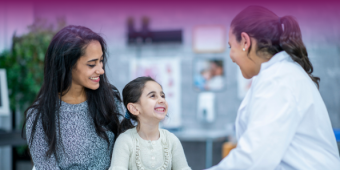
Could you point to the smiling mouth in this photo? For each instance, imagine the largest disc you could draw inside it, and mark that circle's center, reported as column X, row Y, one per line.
column 94, row 78
column 160, row 109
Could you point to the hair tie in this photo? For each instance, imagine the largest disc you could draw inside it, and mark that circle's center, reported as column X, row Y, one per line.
column 127, row 115
column 281, row 24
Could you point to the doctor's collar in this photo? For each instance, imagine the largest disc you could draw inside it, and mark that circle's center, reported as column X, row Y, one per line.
column 276, row 58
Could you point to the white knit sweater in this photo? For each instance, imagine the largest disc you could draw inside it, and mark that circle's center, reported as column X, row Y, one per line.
column 131, row 152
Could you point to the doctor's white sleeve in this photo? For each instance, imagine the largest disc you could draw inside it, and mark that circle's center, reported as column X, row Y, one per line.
column 272, row 123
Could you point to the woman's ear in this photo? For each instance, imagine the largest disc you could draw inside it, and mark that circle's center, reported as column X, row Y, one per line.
column 132, row 109
column 245, row 42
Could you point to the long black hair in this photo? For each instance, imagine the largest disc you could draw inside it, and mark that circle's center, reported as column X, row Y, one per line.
column 66, row 47
column 131, row 94
column 273, row 34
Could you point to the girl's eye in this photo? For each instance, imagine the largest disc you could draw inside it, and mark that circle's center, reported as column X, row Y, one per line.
column 163, row 96
column 91, row 66
column 101, row 61
column 152, row 95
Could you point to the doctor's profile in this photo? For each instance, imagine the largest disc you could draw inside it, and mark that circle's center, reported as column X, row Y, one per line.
column 282, row 123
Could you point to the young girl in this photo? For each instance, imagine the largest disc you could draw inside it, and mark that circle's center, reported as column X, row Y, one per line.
column 146, row 146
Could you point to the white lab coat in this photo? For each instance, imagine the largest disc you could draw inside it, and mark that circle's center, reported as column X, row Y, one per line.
column 282, row 123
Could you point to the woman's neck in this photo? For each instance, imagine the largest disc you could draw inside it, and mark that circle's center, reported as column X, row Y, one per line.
column 148, row 131
column 75, row 95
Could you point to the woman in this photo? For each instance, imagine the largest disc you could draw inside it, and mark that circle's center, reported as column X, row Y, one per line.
column 282, row 122
column 74, row 119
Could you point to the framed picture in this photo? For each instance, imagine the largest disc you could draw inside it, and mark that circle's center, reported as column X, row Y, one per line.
column 4, row 101
column 209, row 74
column 166, row 71
column 209, row 39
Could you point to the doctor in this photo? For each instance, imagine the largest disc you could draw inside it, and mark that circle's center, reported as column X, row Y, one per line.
column 282, row 123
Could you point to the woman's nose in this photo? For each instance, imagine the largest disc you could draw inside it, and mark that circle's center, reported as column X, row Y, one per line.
column 100, row 71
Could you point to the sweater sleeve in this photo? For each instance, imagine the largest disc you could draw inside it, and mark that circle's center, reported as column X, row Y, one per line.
column 179, row 161
column 39, row 145
column 121, row 152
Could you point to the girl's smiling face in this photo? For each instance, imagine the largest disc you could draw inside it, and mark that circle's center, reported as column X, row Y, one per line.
column 152, row 105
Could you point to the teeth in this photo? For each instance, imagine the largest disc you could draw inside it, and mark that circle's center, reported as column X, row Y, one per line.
column 160, row 109
column 94, row 78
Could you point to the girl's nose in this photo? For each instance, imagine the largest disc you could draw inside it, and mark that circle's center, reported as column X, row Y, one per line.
column 161, row 100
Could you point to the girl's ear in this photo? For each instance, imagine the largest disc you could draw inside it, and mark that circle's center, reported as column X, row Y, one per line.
column 245, row 42
column 132, row 109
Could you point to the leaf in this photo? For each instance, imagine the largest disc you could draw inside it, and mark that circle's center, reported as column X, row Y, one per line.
column 24, row 63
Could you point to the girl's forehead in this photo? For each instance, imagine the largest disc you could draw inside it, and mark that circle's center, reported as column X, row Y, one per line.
column 152, row 86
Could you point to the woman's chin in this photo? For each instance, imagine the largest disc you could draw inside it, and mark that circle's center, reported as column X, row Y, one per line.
column 246, row 76
column 93, row 87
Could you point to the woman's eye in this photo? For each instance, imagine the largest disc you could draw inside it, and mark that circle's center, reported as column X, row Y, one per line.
column 163, row 96
column 91, row 66
column 152, row 95
column 229, row 47
column 101, row 61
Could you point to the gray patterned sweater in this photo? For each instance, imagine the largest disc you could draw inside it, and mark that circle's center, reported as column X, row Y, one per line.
column 83, row 148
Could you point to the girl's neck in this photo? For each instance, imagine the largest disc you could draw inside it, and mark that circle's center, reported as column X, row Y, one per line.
column 148, row 132
column 75, row 95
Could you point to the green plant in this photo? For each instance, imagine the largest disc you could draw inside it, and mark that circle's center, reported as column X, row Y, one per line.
column 24, row 63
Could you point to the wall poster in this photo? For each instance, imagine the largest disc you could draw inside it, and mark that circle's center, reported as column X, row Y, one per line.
column 4, row 100
column 209, row 74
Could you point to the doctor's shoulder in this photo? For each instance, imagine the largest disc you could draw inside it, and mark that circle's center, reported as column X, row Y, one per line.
column 286, row 72
column 295, row 76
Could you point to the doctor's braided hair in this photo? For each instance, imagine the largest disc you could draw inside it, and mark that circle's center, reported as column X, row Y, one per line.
column 273, row 34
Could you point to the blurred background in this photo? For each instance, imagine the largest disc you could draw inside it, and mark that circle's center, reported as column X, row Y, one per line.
column 182, row 44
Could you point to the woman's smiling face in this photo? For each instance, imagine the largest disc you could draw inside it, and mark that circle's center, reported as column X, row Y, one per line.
column 89, row 67
column 152, row 104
